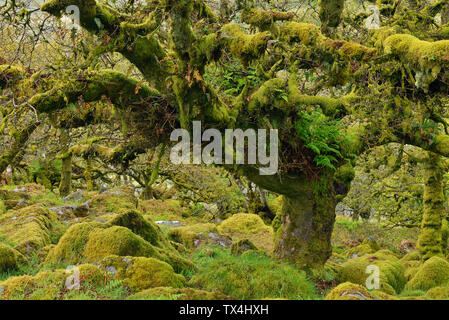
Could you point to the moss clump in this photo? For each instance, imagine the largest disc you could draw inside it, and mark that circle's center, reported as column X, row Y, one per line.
column 245, row 223
column 116, row 241
column 189, row 234
column 245, row 47
column 147, row 229
column 70, row 248
column 2, row 207
column 434, row 272
column 367, row 247
column 250, row 276
column 349, row 291
column 275, row 207
column 264, row 19
column 10, row 74
column 438, row 293
column 304, row 33
column 310, row 35
column 163, row 209
column 330, row 13
column 10, row 258
column 141, row 273
column 392, row 279
column 241, row 246
column 28, row 228
column 167, row 293
column 115, row 200
column 91, row 242
column 49, row 285
column 427, row 58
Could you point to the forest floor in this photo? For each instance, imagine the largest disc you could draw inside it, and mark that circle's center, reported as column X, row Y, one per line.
column 110, row 245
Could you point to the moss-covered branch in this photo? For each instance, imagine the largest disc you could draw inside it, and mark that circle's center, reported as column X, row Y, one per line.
column 20, row 140
column 93, row 86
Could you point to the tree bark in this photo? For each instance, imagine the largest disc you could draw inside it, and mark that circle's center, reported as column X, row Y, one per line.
column 304, row 237
column 429, row 239
column 65, row 185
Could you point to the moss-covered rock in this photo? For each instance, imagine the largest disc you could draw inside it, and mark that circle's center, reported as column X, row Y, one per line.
column 392, row 278
column 367, row 247
column 349, row 291
column 147, row 229
column 49, row 285
column 91, row 242
column 28, row 228
column 439, row 293
column 113, row 201
column 189, row 235
column 10, row 258
column 244, row 223
column 167, row 293
column 251, row 227
column 141, row 273
column 70, row 248
column 434, row 272
column 242, row 246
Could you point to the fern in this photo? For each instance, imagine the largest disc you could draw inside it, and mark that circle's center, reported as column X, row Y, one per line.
column 321, row 135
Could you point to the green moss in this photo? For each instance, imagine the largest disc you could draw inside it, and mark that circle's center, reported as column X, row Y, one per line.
column 167, row 293
column 250, row 276
column 264, row 19
column 275, row 207
column 391, row 271
column 28, row 228
column 434, row 272
column 10, row 74
column 116, row 241
column 427, row 58
column 70, row 248
column 444, row 235
column 2, row 207
column 245, row 47
column 10, row 258
column 205, row 50
column 367, row 247
column 244, row 223
column 241, row 246
column 330, row 13
column 188, row 234
column 115, row 201
column 141, row 273
column 300, row 32
column 349, row 291
column 49, row 285
column 429, row 239
column 345, row 174
column 310, row 35
column 438, row 293
column 147, row 229
column 91, row 242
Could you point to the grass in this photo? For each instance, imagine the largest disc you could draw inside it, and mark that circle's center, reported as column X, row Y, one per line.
column 346, row 229
column 252, row 275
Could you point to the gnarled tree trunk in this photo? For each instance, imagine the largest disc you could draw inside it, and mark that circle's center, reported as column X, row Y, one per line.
column 429, row 240
column 307, row 217
column 304, row 237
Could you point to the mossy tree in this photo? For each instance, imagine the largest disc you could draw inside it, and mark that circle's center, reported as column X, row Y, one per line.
column 319, row 134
